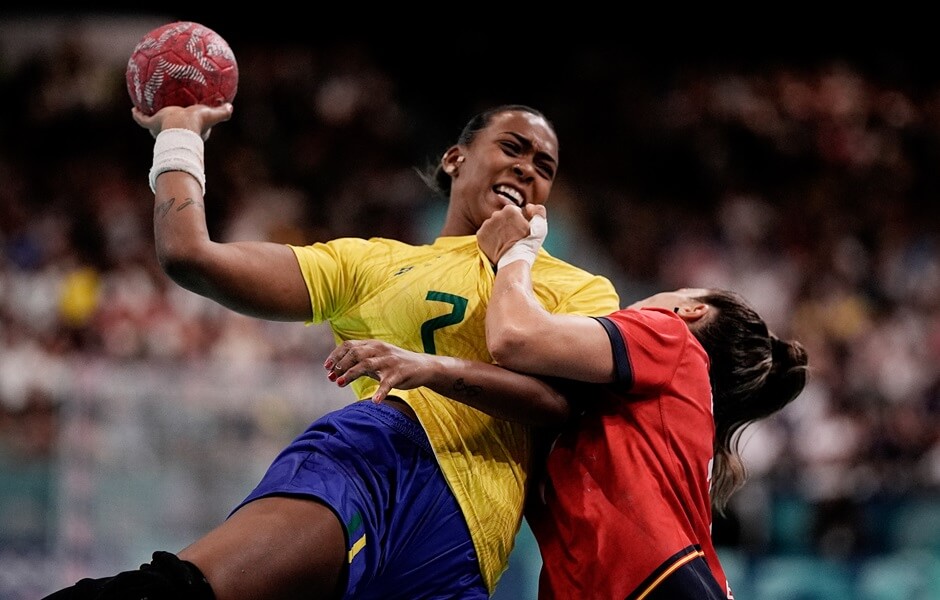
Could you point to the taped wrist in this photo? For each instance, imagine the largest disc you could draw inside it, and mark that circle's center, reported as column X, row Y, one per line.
column 527, row 248
column 178, row 150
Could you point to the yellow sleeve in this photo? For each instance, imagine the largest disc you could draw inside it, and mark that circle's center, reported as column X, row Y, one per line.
column 335, row 273
column 571, row 289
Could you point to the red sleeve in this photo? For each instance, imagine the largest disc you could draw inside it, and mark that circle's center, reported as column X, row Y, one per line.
column 646, row 344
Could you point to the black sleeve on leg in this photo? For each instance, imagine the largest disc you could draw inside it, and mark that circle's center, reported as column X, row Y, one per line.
column 86, row 589
column 183, row 575
column 166, row 577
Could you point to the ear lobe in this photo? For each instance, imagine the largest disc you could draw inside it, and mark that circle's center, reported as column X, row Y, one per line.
column 451, row 160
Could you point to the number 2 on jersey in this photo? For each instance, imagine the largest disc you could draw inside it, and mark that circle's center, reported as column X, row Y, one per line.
column 455, row 316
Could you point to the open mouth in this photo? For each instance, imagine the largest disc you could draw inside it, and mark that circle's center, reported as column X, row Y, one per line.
column 511, row 194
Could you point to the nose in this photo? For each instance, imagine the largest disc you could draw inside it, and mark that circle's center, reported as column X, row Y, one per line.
column 522, row 170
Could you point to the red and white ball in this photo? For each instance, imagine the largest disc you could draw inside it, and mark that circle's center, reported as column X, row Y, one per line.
column 180, row 64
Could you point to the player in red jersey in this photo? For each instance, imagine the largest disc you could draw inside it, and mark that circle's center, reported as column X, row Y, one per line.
column 625, row 510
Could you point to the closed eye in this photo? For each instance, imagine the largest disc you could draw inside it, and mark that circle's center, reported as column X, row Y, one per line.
column 517, row 146
column 511, row 148
column 546, row 169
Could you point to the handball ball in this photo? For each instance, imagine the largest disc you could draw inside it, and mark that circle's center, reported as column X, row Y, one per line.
column 180, row 64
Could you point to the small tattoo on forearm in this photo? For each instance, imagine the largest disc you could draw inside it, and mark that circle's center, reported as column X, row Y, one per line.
column 469, row 391
column 164, row 207
column 187, row 202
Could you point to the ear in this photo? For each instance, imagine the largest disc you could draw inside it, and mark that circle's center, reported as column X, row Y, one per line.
column 691, row 313
column 452, row 159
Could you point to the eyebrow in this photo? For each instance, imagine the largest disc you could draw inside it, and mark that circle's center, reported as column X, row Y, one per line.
column 527, row 144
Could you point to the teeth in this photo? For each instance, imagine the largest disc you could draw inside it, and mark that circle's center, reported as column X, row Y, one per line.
column 510, row 193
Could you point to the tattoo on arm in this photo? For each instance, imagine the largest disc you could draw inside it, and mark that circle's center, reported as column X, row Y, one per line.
column 187, row 202
column 164, row 207
column 466, row 390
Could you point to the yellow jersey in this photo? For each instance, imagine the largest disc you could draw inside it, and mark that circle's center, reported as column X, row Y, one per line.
column 432, row 299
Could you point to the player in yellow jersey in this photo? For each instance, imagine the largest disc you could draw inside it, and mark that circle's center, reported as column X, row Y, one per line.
column 414, row 497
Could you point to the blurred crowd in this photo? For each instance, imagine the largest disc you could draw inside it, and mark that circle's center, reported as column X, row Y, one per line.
column 810, row 186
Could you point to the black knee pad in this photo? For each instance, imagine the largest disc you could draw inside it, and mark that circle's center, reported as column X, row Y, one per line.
column 166, row 577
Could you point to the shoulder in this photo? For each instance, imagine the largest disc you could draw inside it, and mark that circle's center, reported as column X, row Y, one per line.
column 454, row 242
column 565, row 282
column 548, row 264
column 346, row 245
column 651, row 324
column 656, row 344
column 656, row 318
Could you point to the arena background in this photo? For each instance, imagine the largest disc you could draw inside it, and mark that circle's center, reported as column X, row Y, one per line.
column 134, row 415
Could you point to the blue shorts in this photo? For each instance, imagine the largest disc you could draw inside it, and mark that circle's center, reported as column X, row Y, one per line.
column 374, row 467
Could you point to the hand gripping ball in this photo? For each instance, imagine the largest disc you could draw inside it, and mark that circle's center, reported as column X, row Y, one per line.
column 180, row 64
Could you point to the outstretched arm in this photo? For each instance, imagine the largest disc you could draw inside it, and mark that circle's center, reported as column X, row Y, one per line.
column 496, row 391
column 522, row 335
column 261, row 279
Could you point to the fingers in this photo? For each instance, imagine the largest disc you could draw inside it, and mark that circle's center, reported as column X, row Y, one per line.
column 344, row 374
column 382, row 391
column 227, row 109
column 351, row 367
column 213, row 115
column 368, row 358
column 350, row 349
column 510, row 211
column 198, row 117
column 140, row 118
column 351, row 360
column 532, row 210
column 515, row 214
column 148, row 122
column 509, row 216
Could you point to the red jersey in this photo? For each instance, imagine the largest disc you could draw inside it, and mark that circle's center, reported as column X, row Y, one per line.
column 626, row 503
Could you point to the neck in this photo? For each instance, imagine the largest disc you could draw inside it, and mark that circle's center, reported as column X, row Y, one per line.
column 456, row 225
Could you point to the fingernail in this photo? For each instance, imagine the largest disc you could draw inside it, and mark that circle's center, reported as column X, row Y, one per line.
column 328, row 364
column 341, row 381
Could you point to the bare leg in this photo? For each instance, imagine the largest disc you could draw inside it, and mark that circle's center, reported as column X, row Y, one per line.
column 273, row 548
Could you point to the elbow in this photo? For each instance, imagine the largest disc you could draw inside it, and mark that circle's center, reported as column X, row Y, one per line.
column 181, row 272
column 508, row 346
column 182, row 265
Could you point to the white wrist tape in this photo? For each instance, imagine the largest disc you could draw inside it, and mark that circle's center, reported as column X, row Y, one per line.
column 178, row 150
column 528, row 247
